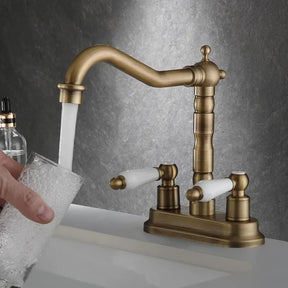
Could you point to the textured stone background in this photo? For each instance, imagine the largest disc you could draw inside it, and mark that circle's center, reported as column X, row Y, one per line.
column 124, row 124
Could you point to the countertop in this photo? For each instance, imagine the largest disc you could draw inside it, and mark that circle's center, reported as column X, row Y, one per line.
column 264, row 266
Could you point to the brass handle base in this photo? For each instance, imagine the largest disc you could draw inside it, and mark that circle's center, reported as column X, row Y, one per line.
column 211, row 230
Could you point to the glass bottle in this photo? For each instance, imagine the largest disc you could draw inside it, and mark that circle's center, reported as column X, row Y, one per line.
column 12, row 143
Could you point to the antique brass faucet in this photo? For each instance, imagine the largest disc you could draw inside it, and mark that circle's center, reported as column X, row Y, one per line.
column 199, row 221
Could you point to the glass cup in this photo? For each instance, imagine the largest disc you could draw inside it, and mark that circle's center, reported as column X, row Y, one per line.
column 22, row 240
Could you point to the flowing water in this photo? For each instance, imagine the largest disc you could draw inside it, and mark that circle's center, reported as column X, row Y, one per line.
column 67, row 134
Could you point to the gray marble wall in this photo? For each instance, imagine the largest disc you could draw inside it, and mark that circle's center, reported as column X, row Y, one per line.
column 124, row 124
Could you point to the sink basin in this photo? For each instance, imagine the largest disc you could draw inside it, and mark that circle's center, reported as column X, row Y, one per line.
column 99, row 248
column 68, row 263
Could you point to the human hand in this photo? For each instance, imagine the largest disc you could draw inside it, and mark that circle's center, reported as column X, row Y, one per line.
column 28, row 202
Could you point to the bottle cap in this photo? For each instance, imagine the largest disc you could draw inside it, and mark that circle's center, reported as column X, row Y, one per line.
column 7, row 118
column 5, row 105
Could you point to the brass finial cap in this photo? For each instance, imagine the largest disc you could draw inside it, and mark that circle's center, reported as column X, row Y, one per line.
column 205, row 50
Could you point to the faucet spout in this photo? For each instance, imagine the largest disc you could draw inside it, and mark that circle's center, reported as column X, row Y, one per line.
column 103, row 53
column 71, row 90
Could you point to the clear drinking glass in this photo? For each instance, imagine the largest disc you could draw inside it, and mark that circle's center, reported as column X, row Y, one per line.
column 22, row 240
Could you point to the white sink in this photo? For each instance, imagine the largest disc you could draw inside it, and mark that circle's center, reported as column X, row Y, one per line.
column 68, row 263
column 99, row 248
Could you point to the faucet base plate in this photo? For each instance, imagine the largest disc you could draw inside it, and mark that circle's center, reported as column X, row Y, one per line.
column 208, row 229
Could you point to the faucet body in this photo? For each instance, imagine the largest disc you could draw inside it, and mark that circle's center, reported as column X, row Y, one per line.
column 169, row 218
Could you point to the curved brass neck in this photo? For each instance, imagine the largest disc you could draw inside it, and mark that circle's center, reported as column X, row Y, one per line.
column 103, row 53
column 203, row 75
column 71, row 90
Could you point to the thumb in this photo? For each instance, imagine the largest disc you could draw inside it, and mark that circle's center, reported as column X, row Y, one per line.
column 28, row 202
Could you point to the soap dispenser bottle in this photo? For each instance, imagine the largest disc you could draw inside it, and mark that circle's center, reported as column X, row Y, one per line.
column 12, row 143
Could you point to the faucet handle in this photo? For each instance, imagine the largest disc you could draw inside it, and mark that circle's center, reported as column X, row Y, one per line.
column 131, row 179
column 167, row 193
column 206, row 190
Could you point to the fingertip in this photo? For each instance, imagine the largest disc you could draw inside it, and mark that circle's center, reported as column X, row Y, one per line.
column 45, row 214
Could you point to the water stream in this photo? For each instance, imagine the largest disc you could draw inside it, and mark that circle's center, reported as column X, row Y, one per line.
column 67, row 134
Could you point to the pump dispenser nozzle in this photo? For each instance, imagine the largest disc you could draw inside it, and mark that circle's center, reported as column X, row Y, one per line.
column 5, row 105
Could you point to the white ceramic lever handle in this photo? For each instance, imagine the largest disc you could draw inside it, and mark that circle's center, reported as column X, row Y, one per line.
column 131, row 179
column 214, row 188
